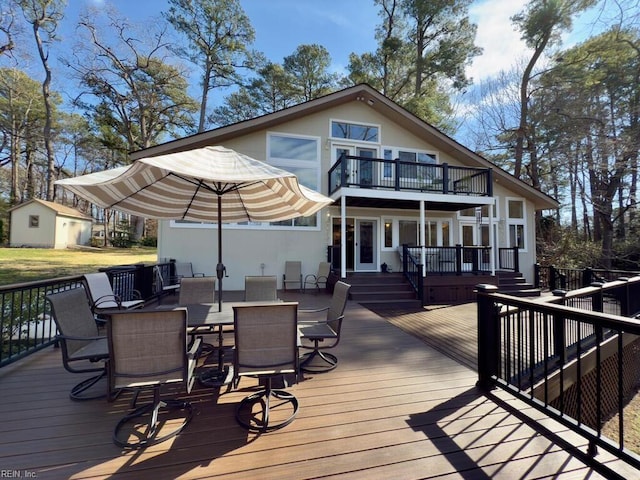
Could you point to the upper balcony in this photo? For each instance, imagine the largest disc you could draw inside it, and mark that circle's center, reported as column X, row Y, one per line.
column 379, row 174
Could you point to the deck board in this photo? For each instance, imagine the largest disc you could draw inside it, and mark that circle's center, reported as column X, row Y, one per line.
column 396, row 407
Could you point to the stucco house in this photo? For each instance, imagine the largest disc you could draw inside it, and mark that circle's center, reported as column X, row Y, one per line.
column 42, row 224
column 394, row 179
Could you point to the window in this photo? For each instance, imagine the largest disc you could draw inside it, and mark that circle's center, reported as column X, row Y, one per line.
column 355, row 131
column 388, row 233
column 411, row 171
column 300, row 156
column 516, row 226
column 34, row 221
column 471, row 212
column 407, row 232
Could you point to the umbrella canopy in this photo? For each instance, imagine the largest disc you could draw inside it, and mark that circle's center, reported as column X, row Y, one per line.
column 187, row 186
column 210, row 184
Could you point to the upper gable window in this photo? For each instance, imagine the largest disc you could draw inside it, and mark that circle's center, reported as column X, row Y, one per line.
column 355, row 131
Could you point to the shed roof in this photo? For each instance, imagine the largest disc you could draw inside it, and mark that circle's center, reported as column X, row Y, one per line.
column 61, row 210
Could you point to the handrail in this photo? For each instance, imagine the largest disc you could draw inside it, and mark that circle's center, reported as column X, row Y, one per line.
column 569, row 360
column 412, row 271
column 376, row 173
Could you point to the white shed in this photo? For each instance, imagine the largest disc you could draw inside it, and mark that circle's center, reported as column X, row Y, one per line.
column 42, row 224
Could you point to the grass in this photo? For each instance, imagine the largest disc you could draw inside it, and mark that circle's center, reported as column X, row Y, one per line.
column 19, row 265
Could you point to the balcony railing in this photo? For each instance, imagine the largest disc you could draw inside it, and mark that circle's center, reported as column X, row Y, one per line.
column 577, row 362
column 364, row 172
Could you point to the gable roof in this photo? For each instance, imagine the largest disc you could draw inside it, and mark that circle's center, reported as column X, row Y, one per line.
column 376, row 101
column 56, row 207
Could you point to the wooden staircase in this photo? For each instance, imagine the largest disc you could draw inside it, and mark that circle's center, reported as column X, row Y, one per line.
column 513, row 283
column 381, row 288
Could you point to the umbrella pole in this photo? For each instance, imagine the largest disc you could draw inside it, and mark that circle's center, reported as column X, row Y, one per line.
column 220, row 269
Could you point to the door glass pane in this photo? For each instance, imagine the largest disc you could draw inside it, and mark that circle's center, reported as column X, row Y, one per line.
column 467, row 235
column 408, row 232
column 446, row 234
column 366, row 242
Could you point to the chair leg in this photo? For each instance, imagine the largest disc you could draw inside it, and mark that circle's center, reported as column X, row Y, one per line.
column 149, row 436
column 318, row 361
column 246, row 417
column 77, row 391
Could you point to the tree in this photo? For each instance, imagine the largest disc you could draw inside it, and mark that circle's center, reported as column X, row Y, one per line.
column 308, row 69
column 44, row 15
column 129, row 85
column 423, row 49
column 541, row 24
column 131, row 92
column 596, row 97
column 7, row 27
column 303, row 76
column 218, row 34
column 22, row 114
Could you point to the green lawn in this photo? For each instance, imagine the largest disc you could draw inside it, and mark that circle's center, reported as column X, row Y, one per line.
column 19, row 265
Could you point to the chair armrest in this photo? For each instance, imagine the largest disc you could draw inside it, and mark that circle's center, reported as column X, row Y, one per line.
column 106, row 298
column 198, row 275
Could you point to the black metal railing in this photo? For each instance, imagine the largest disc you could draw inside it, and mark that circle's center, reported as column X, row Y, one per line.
column 454, row 260
column 567, row 357
column 25, row 321
column 509, row 259
column 364, row 172
column 551, row 278
column 412, row 271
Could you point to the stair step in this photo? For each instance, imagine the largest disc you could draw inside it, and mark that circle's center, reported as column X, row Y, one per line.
column 518, row 286
column 530, row 292
column 386, row 296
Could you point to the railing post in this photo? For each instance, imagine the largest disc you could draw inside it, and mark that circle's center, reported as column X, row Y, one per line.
column 597, row 302
column 490, row 183
column 536, row 275
column 552, row 278
column 420, row 286
column 488, row 337
column 458, row 259
column 559, row 333
column 516, row 259
column 397, row 176
column 404, row 257
column 587, row 277
column 445, row 178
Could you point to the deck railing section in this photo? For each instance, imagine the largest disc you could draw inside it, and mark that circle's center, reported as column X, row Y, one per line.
column 454, row 260
column 364, row 172
column 551, row 277
column 567, row 357
column 412, row 271
column 25, row 321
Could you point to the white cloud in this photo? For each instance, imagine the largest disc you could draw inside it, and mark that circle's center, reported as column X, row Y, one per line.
column 497, row 36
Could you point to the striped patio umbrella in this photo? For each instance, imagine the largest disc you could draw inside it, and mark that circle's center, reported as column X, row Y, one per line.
column 210, row 184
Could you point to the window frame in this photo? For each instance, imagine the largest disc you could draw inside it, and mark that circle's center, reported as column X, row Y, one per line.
column 516, row 222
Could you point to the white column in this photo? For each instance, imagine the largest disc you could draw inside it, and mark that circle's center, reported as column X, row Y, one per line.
column 343, row 237
column 422, row 238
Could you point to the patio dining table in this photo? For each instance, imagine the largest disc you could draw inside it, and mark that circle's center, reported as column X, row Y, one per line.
column 206, row 318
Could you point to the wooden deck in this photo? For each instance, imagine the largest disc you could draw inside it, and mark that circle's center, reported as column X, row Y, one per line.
column 396, row 407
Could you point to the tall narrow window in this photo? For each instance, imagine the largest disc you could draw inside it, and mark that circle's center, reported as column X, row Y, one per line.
column 516, row 223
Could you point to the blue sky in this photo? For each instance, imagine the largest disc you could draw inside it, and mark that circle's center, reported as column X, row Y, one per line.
column 345, row 26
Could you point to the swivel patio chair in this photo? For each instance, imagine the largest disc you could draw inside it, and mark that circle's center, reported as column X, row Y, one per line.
column 84, row 350
column 319, row 280
column 260, row 289
column 197, row 290
column 320, row 329
column 148, row 350
column 292, row 275
column 266, row 339
column 102, row 295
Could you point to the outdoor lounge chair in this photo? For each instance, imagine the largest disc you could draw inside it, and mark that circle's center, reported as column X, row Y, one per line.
column 260, row 289
column 320, row 329
column 266, row 340
column 319, row 280
column 102, row 296
column 292, row 275
column 185, row 270
column 83, row 348
column 148, row 349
